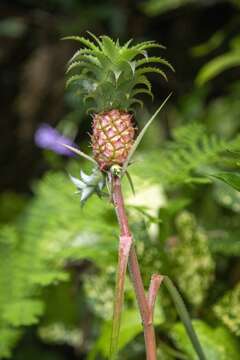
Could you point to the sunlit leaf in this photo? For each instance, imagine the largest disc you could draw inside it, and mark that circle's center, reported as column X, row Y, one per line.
column 232, row 179
column 217, row 66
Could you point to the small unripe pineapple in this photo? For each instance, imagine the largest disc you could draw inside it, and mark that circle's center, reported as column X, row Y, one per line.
column 112, row 138
column 111, row 78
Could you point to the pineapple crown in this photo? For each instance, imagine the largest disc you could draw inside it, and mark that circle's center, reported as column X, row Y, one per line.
column 111, row 76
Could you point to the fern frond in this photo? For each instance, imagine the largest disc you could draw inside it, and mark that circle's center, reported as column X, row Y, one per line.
column 33, row 252
column 186, row 156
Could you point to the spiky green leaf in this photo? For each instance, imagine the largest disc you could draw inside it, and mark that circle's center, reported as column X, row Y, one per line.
column 183, row 313
column 150, row 69
column 154, row 59
column 109, row 47
column 82, row 40
column 73, row 79
column 142, row 91
column 143, row 80
column 110, row 74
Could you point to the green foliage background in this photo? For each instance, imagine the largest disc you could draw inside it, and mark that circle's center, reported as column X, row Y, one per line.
column 57, row 260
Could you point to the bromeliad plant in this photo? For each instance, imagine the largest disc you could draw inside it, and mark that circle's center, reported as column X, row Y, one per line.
column 110, row 78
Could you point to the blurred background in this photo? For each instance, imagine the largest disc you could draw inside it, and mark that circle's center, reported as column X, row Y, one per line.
column 57, row 261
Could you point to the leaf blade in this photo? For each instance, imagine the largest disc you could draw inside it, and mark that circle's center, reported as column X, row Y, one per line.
column 80, row 153
column 141, row 134
column 232, row 179
column 183, row 313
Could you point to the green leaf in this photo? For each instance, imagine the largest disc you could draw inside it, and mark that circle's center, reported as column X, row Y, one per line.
column 88, row 62
column 154, row 59
column 232, row 179
column 143, row 80
column 33, row 253
column 197, row 180
column 226, row 196
column 110, row 70
column 109, row 47
column 184, row 157
column 49, row 277
column 75, row 78
column 218, row 343
column 141, row 91
column 130, row 182
column 80, row 153
column 130, row 327
column 156, row 7
column 183, row 313
column 227, row 309
column 150, row 69
column 149, row 45
column 141, row 134
column 76, row 64
column 83, row 40
column 80, row 52
column 211, row 44
column 136, row 101
column 95, row 38
column 9, row 337
column 217, row 66
column 144, row 43
column 23, row 312
column 128, row 54
column 225, row 242
column 126, row 45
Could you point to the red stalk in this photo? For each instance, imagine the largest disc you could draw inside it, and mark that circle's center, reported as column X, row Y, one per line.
column 145, row 304
column 123, row 253
column 155, row 283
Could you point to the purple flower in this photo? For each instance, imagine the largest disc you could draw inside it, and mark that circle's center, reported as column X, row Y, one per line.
column 47, row 137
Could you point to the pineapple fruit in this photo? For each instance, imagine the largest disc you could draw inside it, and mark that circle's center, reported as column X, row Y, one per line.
column 110, row 77
column 112, row 138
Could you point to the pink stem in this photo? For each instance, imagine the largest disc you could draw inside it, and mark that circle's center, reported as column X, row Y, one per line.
column 145, row 310
column 123, row 253
column 155, row 283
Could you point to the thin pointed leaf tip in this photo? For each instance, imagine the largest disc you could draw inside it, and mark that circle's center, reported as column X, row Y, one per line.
column 108, row 75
